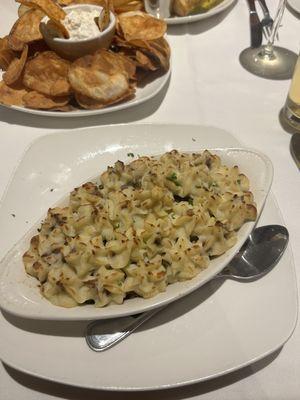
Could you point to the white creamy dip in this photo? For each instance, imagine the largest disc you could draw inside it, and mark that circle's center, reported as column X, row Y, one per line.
column 81, row 23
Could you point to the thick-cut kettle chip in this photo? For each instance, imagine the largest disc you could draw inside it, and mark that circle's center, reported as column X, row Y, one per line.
column 100, row 76
column 26, row 29
column 47, row 73
column 139, row 25
column 40, row 101
column 16, row 67
column 12, row 95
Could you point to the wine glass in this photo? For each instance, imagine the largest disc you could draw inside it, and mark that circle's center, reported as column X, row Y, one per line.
column 269, row 61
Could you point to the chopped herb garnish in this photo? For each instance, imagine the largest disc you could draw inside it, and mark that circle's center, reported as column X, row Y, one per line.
column 130, row 155
column 193, row 139
column 190, row 201
column 212, row 184
column 51, row 190
column 173, row 178
column 239, row 181
column 13, row 215
column 39, row 229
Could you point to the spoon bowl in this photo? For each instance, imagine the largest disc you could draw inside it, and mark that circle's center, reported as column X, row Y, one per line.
column 258, row 256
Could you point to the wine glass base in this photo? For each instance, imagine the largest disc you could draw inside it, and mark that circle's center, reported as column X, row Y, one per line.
column 279, row 66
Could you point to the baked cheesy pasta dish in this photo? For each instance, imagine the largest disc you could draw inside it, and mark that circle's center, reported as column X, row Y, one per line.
column 143, row 226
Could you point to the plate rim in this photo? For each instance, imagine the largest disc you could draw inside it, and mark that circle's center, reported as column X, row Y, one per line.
column 200, row 16
column 106, row 110
column 156, row 303
column 291, row 4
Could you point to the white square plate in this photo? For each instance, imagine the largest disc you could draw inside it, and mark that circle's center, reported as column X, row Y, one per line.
column 214, row 330
column 19, row 292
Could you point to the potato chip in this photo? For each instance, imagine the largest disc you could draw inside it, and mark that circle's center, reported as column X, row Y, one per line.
column 25, row 30
column 57, row 29
column 47, row 73
column 64, row 2
column 15, row 68
column 124, row 63
column 12, row 95
column 92, row 104
column 93, row 2
column 144, row 61
column 100, row 77
column 52, row 10
column 158, row 50
column 104, row 18
column 4, row 43
column 49, row 7
column 139, row 25
column 6, row 57
column 40, row 101
column 6, row 54
column 121, row 6
column 22, row 10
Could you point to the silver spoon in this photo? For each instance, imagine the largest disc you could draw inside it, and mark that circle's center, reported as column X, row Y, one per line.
column 259, row 254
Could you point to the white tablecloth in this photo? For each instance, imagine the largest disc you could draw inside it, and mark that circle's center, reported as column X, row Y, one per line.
column 208, row 87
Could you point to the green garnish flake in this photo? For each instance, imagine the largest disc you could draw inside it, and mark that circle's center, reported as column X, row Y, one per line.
column 130, row 155
column 238, row 181
column 190, row 201
column 173, row 178
column 212, row 184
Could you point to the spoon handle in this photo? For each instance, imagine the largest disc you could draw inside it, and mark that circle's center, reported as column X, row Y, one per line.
column 101, row 342
column 104, row 341
column 101, row 335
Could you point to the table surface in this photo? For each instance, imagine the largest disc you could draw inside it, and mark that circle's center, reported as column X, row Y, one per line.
column 208, row 87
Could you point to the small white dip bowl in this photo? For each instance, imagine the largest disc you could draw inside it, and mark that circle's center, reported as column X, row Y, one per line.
column 75, row 48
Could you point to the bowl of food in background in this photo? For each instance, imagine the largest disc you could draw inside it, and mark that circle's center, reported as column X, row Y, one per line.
column 133, row 68
column 85, row 29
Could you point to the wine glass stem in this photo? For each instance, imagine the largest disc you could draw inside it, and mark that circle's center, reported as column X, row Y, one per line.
column 276, row 24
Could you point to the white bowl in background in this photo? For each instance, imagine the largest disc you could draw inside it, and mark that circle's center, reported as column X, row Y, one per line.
column 75, row 48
